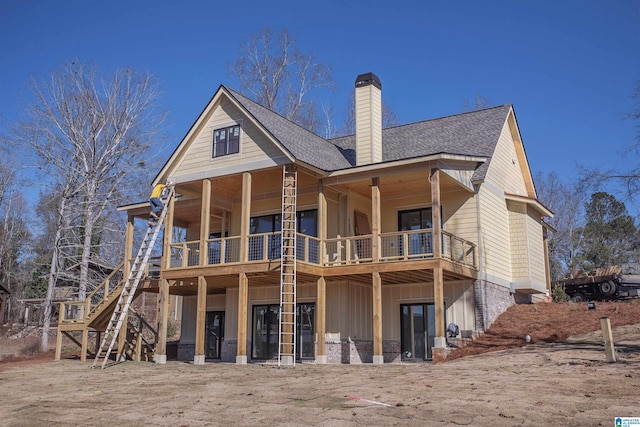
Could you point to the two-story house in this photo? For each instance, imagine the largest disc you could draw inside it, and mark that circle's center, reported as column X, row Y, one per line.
column 359, row 249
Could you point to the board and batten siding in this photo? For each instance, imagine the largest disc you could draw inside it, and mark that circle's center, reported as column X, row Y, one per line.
column 254, row 145
column 349, row 310
column 188, row 324
column 458, row 297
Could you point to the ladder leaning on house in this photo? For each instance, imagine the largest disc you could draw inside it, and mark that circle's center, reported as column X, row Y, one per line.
column 130, row 286
column 287, row 321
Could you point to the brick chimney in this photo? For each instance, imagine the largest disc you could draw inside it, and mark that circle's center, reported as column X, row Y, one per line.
column 368, row 119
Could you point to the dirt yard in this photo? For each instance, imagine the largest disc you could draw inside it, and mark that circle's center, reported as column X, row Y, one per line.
column 564, row 382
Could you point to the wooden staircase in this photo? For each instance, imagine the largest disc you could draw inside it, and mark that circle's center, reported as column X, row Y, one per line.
column 105, row 310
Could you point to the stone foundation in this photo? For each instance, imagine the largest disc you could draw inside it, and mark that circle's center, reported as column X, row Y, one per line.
column 229, row 351
column 339, row 351
column 357, row 351
column 186, row 352
column 491, row 300
column 391, row 351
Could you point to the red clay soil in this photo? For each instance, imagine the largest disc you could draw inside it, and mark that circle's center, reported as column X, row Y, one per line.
column 548, row 322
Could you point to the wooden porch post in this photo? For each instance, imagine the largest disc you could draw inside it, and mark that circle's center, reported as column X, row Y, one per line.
column 321, row 284
column 168, row 232
column 85, row 344
column 160, row 355
column 204, row 221
column 322, row 221
column 436, row 218
column 128, row 246
column 378, row 358
column 321, row 320
column 440, row 341
column 59, row 344
column 243, row 293
column 122, row 339
column 201, row 315
column 245, row 217
column 375, row 219
column 122, row 335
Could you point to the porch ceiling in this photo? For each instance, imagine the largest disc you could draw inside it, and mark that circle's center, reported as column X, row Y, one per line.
column 392, row 186
column 225, row 189
column 187, row 285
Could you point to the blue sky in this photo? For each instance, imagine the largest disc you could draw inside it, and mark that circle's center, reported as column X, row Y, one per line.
column 569, row 67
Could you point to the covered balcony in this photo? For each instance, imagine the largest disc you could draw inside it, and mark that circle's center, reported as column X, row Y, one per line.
column 408, row 245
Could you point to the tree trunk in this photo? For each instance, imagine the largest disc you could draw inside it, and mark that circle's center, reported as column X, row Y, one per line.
column 53, row 272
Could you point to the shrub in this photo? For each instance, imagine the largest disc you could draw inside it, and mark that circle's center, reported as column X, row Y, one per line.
column 558, row 294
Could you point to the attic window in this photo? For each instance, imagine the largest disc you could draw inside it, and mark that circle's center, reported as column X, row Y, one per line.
column 226, row 141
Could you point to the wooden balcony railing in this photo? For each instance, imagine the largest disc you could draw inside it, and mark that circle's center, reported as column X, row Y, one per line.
column 77, row 311
column 395, row 246
column 458, row 250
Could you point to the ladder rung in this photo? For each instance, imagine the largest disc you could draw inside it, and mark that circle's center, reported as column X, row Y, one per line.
column 129, row 288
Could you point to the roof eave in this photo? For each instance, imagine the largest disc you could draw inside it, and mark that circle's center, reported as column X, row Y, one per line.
column 405, row 162
column 534, row 203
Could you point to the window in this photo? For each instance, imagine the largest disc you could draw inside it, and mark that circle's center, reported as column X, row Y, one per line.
column 420, row 243
column 415, row 219
column 417, row 330
column 226, row 141
column 265, row 331
column 307, row 223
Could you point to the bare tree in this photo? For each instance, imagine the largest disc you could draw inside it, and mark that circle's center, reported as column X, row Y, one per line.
column 87, row 133
column 480, row 103
column 14, row 238
column 389, row 118
column 14, row 234
column 54, row 267
column 567, row 203
column 277, row 75
column 7, row 169
column 627, row 180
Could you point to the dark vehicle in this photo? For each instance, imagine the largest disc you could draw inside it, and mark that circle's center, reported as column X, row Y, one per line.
column 610, row 287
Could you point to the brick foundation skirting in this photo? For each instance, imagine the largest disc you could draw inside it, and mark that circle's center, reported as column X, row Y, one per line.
column 491, row 300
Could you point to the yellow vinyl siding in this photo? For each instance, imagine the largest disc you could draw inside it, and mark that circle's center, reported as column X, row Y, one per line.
column 504, row 170
column 536, row 247
column 459, row 214
column 495, row 234
column 526, row 247
column 368, row 125
column 254, row 146
column 519, row 242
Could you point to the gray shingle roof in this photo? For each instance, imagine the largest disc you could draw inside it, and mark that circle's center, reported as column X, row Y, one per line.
column 303, row 145
column 474, row 134
column 469, row 134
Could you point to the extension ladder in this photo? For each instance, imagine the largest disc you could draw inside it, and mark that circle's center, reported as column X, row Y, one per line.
column 287, row 320
column 129, row 289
